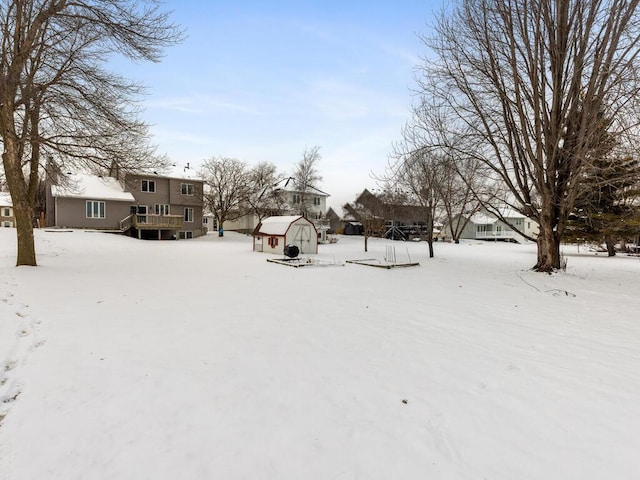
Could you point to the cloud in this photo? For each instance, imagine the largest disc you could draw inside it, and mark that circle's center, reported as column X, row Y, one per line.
column 200, row 104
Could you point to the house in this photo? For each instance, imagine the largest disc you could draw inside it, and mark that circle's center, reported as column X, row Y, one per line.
column 375, row 215
column 310, row 203
column 87, row 201
column 335, row 222
column 165, row 206
column 148, row 206
column 487, row 226
column 273, row 233
column 6, row 210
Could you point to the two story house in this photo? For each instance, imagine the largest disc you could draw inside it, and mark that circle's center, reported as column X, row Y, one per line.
column 148, row 206
column 310, row 203
column 6, row 210
column 169, row 205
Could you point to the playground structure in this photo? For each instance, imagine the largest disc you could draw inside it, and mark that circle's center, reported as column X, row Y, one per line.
column 390, row 260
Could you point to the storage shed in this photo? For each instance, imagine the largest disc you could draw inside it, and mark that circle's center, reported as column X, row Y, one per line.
column 273, row 233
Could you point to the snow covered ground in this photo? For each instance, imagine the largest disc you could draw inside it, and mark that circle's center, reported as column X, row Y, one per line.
column 128, row 359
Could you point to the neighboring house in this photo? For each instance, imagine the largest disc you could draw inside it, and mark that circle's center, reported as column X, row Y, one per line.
column 273, row 233
column 146, row 206
column 244, row 224
column 486, row 226
column 313, row 201
column 209, row 221
column 87, row 201
column 382, row 218
column 6, row 210
column 336, row 223
column 166, row 205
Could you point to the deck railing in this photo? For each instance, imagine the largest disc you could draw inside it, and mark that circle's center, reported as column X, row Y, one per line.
column 149, row 221
column 498, row 235
column 126, row 223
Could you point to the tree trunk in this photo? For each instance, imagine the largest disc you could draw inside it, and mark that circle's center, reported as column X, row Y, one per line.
column 24, row 228
column 366, row 237
column 548, row 250
column 22, row 206
column 611, row 245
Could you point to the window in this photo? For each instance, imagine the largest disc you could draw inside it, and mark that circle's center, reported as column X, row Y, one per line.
column 205, row 221
column 148, row 186
column 316, row 200
column 273, row 242
column 185, row 235
column 162, row 209
column 7, row 224
column 188, row 214
column 186, row 188
column 95, row 209
column 297, row 198
column 6, row 212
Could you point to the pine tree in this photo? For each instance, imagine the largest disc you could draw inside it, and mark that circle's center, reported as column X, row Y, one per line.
column 607, row 209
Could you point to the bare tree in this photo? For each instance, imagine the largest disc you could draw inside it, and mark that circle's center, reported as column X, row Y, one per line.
column 57, row 104
column 263, row 196
column 458, row 187
column 523, row 86
column 369, row 210
column 226, row 188
column 421, row 174
column 306, row 178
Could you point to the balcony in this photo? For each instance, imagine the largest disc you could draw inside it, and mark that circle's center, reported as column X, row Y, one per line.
column 157, row 222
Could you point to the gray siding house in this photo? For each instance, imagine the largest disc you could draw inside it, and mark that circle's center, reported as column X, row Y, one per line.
column 174, row 203
column 87, row 201
column 146, row 206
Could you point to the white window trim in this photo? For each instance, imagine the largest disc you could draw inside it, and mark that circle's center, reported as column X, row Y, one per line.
column 187, row 189
column 188, row 214
column 162, row 209
column 93, row 202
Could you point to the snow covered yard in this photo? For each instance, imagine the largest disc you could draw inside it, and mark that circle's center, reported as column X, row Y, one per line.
column 128, row 359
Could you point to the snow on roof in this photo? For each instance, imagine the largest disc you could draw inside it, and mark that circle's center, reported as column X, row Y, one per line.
column 482, row 219
column 5, row 199
column 511, row 213
column 92, row 186
column 277, row 225
column 289, row 185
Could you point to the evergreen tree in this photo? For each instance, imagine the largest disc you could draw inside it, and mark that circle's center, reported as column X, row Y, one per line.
column 607, row 209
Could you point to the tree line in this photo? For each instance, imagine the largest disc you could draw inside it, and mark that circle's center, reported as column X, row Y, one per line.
column 531, row 105
column 234, row 189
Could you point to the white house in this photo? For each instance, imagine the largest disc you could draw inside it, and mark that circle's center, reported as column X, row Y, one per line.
column 273, row 233
column 6, row 210
column 486, row 226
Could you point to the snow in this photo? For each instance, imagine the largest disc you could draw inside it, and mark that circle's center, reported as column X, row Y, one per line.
column 92, row 187
column 277, row 225
column 197, row 359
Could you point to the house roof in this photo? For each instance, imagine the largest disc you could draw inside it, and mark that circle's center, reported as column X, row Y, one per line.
column 175, row 174
column 277, row 225
column 482, row 219
column 288, row 184
column 5, row 199
column 92, row 187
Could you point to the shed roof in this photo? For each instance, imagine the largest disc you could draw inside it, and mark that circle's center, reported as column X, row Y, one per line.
column 5, row 199
column 92, row 187
column 277, row 225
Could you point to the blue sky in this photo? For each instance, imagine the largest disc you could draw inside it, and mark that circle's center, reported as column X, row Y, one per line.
column 259, row 81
